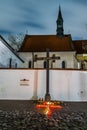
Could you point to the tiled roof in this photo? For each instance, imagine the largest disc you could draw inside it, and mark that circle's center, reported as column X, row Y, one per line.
column 80, row 46
column 39, row 43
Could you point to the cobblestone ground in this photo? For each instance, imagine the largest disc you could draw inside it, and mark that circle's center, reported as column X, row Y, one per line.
column 26, row 117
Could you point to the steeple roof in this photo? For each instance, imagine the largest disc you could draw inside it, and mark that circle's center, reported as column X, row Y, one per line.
column 59, row 22
column 60, row 14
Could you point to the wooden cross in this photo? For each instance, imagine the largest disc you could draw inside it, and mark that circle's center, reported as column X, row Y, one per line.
column 47, row 58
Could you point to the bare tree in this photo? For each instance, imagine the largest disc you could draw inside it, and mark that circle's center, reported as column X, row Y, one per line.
column 16, row 40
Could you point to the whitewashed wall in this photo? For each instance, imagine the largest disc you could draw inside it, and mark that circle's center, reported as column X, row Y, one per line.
column 65, row 85
column 68, row 57
column 10, row 87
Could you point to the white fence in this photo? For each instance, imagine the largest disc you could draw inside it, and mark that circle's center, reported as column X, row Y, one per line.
column 25, row 84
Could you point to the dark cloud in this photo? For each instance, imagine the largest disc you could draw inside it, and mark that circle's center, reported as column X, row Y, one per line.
column 5, row 32
column 36, row 25
column 32, row 24
column 27, row 7
column 83, row 2
column 30, row 13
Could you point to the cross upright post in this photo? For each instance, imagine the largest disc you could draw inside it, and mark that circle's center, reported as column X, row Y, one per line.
column 47, row 95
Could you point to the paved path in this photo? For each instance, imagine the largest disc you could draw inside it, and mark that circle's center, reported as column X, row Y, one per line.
column 22, row 115
column 25, row 104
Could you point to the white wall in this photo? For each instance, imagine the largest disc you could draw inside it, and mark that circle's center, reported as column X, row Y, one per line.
column 65, row 85
column 68, row 57
column 10, row 87
column 69, row 85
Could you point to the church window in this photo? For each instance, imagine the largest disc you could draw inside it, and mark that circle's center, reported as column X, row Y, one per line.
column 10, row 62
column 63, row 64
column 29, row 64
column 45, row 64
column 15, row 65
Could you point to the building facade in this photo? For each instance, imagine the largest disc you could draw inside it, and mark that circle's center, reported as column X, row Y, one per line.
column 8, row 56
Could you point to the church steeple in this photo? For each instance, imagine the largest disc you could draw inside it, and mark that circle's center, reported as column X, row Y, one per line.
column 59, row 23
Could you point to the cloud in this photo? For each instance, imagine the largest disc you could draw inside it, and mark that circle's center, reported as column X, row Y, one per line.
column 5, row 32
column 82, row 2
column 39, row 16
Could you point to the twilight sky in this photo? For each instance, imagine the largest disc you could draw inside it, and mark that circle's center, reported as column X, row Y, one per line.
column 36, row 17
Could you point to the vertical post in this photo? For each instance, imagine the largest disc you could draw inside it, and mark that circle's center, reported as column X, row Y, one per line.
column 35, row 97
column 32, row 59
column 47, row 96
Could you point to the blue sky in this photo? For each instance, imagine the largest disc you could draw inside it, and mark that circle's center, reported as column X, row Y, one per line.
column 38, row 17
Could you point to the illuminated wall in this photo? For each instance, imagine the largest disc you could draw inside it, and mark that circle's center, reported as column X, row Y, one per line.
column 65, row 85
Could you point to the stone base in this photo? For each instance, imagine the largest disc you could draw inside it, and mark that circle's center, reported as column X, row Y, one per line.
column 47, row 97
column 34, row 98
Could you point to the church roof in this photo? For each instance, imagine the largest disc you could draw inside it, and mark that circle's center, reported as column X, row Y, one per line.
column 80, row 46
column 39, row 43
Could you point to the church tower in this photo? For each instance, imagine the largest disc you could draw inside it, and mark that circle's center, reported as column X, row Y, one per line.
column 59, row 24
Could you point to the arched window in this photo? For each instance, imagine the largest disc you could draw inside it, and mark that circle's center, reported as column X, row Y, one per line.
column 29, row 64
column 10, row 63
column 45, row 64
column 63, row 64
column 15, row 65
